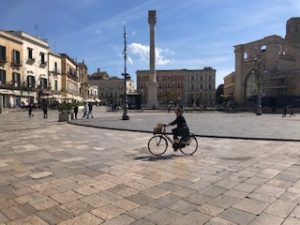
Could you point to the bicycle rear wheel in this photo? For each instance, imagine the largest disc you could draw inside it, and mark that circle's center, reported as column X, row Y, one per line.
column 188, row 145
column 157, row 145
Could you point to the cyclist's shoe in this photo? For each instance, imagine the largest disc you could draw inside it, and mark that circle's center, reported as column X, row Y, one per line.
column 175, row 146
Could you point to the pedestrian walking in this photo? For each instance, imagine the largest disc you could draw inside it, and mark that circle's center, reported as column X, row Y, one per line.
column 85, row 110
column 45, row 110
column 285, row 111
column 292, row 112
column 90, row 108
column 76, row 110
column 30, row 110
column 169, row 108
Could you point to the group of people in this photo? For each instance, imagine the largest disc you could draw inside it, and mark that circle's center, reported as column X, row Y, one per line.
column 44, row 108
column 87, row 111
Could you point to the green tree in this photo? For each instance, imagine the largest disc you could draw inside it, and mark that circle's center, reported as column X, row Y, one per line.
column 220, row 94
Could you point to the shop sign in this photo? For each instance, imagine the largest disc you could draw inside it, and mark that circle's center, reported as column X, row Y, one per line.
column 6, row 92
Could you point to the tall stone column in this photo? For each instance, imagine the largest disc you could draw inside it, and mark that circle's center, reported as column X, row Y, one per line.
column 152, row 84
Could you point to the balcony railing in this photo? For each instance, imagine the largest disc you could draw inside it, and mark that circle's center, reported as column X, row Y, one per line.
column 55, row 72
column 30, row 61
column 16, row 64
column 3, row 61
column 43, row 64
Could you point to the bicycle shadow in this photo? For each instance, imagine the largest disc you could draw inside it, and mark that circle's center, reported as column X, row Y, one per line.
column 156, row 158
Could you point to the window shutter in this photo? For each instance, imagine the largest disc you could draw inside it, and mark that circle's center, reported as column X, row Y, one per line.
column 2, row 52
column 18, row 57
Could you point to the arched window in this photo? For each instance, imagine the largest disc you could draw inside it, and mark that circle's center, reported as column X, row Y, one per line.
column 245, row 56
column 263, row 48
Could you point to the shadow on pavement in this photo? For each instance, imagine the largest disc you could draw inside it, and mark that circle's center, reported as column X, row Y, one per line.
column 156, row 158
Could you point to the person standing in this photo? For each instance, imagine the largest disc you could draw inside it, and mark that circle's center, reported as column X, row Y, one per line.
column 45, row 110
column 30, row 110
column 285, row 109
column 90, row 105
column 85, row 110
column 76, row 110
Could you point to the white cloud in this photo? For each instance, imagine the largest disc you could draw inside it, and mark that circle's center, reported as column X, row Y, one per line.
column 142, row 52
column 130, row 60
column 133, row 33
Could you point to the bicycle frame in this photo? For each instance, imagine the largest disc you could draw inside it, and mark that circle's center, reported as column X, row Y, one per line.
column 163, row 133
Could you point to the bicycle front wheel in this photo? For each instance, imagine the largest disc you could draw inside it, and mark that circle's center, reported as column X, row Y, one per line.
column 188, row 145
column 157, row 145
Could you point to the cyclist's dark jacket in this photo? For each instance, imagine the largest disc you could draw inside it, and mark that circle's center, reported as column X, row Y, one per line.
column 180, row 121
column 182, row 128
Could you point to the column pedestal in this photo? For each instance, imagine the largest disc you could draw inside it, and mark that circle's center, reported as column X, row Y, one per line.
column 152, row 102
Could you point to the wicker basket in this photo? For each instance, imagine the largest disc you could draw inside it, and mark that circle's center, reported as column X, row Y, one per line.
column 158, row 128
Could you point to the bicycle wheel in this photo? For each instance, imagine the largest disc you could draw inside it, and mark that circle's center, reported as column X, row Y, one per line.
column 157, row 145
column 188, row 145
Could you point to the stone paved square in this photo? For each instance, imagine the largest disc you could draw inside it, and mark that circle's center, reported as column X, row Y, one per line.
column 83, row 175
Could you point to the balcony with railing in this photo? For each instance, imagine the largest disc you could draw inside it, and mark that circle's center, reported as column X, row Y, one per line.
column 43, row 64
column 30, row 61
column 3, row 61
column 16, row 64
column 55, row 72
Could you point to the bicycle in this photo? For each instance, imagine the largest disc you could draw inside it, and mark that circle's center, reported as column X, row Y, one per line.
column 158, row 144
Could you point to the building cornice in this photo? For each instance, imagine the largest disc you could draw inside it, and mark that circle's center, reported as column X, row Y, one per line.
column 11, row 37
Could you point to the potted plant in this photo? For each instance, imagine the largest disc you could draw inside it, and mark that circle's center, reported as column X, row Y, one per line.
column 64, row 110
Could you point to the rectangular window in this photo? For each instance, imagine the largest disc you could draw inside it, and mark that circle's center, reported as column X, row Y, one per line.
column 31, row 81
column 56, row 85
column 55, row 67
column 209, row 87
column 43, row 83
column 2, row 77
column 2, row 53
column 43, row 58
column 30, row 53
column 16, row 79
column 16, row 57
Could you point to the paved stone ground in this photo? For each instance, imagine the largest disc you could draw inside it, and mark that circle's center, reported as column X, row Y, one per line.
column 57, row 173
column 244, row 125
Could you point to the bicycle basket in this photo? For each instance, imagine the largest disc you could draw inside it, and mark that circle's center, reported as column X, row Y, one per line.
column 158, row 128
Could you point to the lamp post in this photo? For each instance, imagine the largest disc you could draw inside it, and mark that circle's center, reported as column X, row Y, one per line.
column 126, row 76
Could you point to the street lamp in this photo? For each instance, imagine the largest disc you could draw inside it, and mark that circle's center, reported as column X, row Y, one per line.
column 126, row 77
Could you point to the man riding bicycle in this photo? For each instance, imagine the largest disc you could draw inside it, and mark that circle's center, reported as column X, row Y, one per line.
column 182, row 128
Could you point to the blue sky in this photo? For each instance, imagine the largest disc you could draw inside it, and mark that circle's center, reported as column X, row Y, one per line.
column 190, row 34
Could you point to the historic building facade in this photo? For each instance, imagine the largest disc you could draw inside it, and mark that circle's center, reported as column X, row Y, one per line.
column 70, row 79
column 187, row 87
column 83, row 80
column 55, row 81
column 35, row 55
column 30, row 72
column 229, row 85
column 11, row 71
column 110, row 89
column 269, row 69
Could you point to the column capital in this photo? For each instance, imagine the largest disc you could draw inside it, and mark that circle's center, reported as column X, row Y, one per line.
column 152, row 17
